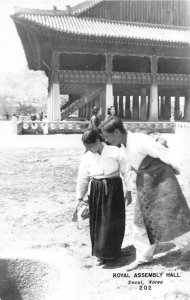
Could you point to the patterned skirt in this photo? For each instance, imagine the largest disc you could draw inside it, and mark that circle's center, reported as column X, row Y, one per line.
column 107, row 217
column 161, row 206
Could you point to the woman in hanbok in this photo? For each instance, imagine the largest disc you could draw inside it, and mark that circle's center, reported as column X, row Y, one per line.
column 95, row 120
column 99, row 175
column 111, row 112
column 161, row 211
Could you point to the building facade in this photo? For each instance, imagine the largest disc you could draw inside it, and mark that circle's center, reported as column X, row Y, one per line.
column 132, row 54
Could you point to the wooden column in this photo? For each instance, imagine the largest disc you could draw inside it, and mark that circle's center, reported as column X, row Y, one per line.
column 109, row 86
column 92, row 103
column 143, row 114
column 89, row 114
column 127, row 107
column 85, row 111
column 135, row 112
column 103, row 104
column 162, row 107
column 153, row 111
column 54, row 101
column 148, row 107
column 97, row 101
column 115, row 105
column 177, row 106
column 167, row 107
column 120, row 106
column 109, row 96
column 187, row 107
column 80, row 112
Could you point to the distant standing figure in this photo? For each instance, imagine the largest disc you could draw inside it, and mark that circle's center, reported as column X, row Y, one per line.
column 45, row 127
column 14, row 118
column 111, row 112
column 7, row 115
column 33, row 117
column 95, row 120
column 20, row 118
column 41, row 115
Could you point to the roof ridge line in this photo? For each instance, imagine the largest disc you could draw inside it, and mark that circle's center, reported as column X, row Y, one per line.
column 141, row 24
column 64, row 13
column 81, row 7
column 36, row 11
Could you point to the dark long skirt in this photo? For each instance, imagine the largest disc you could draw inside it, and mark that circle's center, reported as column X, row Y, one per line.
column 107, row 217
column 160, row 200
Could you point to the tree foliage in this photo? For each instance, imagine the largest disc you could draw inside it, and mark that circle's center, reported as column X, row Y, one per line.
column 22, row 89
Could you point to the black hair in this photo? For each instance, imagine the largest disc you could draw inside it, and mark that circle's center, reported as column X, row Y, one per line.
column 90, row 136
column 95, row 110
column 109, row 111
column 113, row 123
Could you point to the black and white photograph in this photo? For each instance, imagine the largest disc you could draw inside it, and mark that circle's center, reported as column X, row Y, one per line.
column 94, row 149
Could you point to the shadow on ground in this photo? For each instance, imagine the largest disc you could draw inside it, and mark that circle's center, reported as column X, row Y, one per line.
column 166, row 255
column 127, row 256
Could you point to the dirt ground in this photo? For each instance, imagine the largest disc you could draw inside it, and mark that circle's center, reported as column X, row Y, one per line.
column 37, row 195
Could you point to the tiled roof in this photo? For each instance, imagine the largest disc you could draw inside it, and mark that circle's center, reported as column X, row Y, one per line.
column 84, row 6
column 107, row 29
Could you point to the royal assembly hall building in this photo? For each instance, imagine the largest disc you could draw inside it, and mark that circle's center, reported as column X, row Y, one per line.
column 133, row 54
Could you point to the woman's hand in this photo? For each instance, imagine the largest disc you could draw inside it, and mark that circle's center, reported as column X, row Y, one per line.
column 128, row 198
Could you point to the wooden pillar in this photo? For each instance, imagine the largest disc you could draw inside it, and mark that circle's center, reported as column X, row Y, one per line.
column 115, row 105
column 109, row 96
column 54, row 101
column 85, row 111
column 80, row 112
column 127, row 107
column 135, row 112
column 109, row 86
column 93, row 103
column 153, row 110
column 167, row 107
column 148, row 106
column 89, row 115
column 143, row 114
column 103, row 112
column 162, row 107
column 97, row 101
column 120, row 106
column 177, row 106
column 187, row 107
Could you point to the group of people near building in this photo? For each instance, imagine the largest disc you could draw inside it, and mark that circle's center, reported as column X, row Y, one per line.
column 105, row 174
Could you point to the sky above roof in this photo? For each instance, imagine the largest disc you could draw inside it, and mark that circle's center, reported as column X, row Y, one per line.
column 12, row 57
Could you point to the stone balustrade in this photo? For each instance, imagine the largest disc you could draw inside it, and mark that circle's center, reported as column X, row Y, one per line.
column 29, row 127
column 56, row 127
column 182, row 127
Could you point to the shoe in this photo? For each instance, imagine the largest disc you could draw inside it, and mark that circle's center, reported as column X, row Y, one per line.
column 132, row 266
column 135, row 265
column 100, row 261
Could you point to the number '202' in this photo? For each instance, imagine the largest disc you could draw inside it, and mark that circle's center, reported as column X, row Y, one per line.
column 145, row 287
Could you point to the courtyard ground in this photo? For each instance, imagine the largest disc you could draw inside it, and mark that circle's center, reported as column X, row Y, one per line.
column 37, row 196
